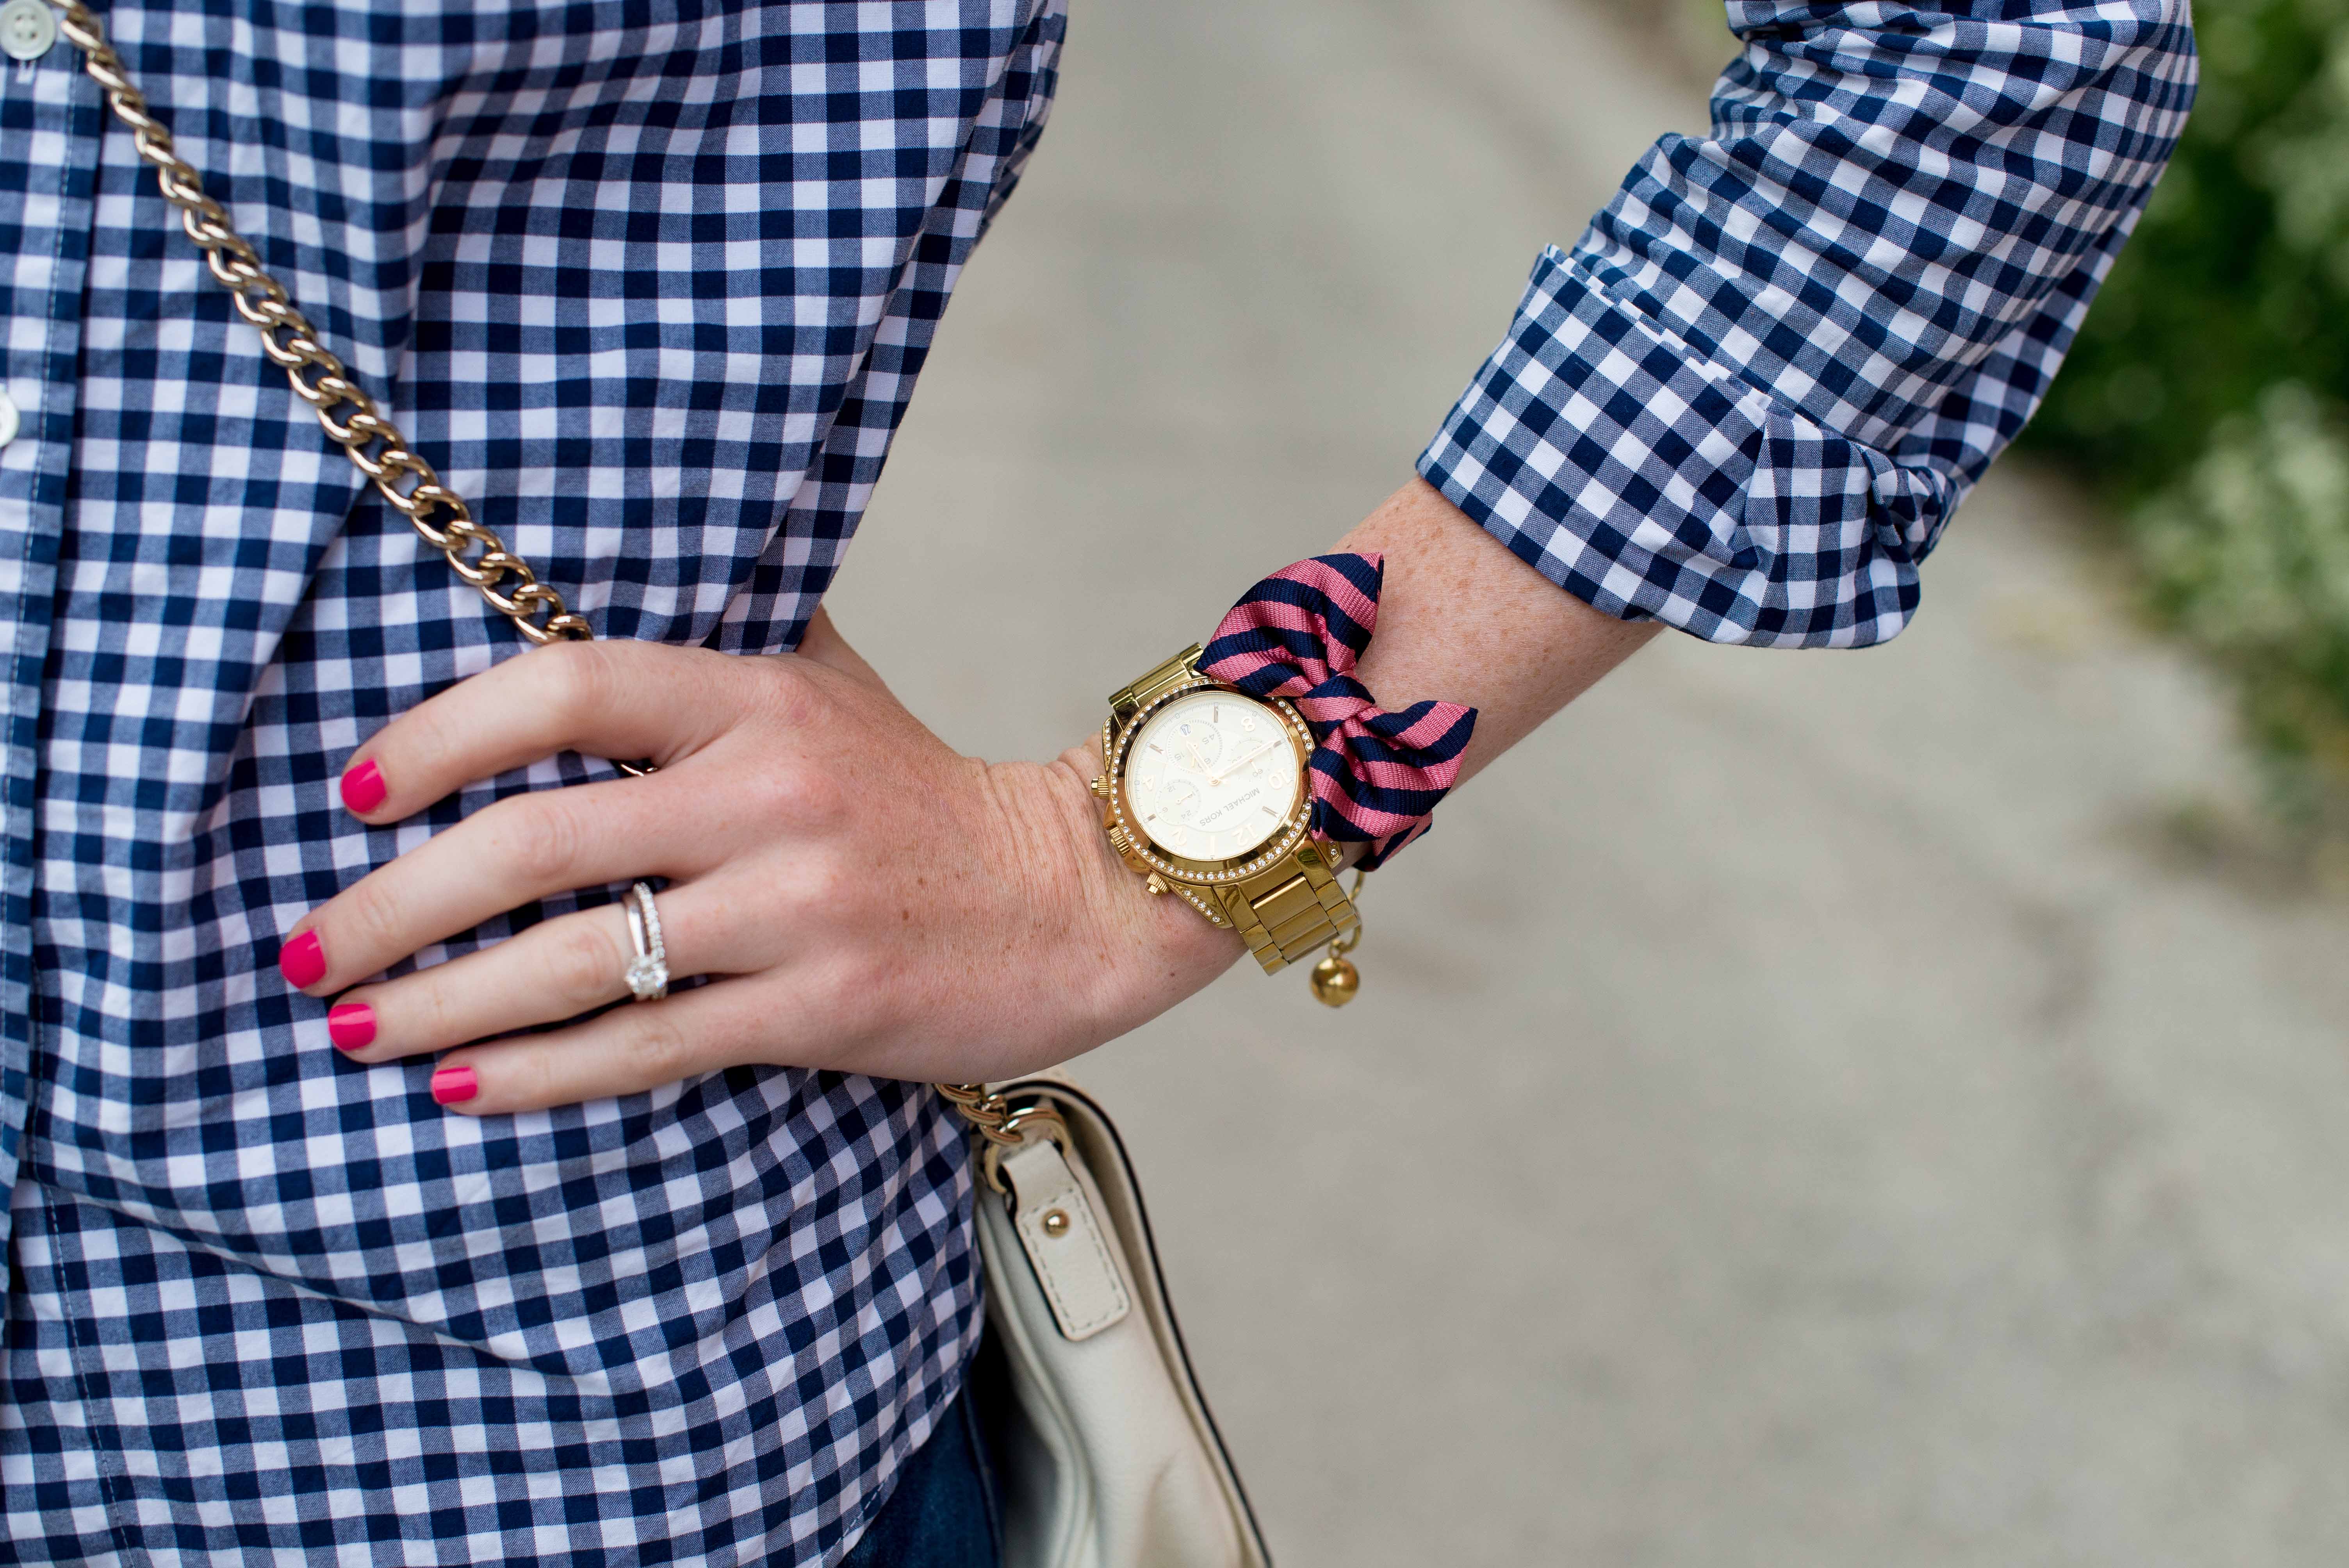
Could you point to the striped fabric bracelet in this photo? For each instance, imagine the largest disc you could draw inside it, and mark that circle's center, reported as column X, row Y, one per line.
column 1375, row 775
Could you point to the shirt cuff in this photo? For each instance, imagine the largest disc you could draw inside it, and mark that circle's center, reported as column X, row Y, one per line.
column 1654, row 484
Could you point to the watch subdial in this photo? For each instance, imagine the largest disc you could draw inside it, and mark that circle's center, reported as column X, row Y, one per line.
column 1180, row 799
column 1202, row 744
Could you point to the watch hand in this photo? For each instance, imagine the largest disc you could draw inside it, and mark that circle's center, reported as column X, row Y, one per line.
column 1193, row 750
column 1232, row 768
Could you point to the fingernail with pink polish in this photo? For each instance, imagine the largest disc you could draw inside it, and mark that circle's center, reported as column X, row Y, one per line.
column 303, row 961
column 452, row 1086
column 363, row 787
column 351, row 1025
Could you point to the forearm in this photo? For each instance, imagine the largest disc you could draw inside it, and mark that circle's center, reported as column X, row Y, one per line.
column 1461, row 619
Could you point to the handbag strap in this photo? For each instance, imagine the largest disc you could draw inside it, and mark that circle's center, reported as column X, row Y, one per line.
column 407, row 483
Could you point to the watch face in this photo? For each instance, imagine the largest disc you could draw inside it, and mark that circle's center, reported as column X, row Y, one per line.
column 1211, row 776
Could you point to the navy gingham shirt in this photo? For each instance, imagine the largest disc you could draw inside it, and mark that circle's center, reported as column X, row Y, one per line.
column 1750, row 398
column 650, row 283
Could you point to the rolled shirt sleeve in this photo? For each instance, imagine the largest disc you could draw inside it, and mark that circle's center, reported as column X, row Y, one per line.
column 1749, row 399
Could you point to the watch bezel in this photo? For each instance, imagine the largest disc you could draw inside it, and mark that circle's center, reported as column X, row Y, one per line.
column 1235, row 868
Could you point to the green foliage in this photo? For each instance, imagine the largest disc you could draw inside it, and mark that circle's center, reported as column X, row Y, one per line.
column 2208, row 393
column 2250, row 553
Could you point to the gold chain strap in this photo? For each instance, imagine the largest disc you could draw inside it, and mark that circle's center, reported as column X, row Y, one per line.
column 991, row 1114
column 373, row 443
column 1001, row 1124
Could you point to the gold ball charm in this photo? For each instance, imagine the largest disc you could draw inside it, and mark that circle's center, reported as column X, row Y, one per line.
column 1335, row 981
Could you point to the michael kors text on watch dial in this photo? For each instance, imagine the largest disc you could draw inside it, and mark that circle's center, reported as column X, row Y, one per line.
column 1211, row 776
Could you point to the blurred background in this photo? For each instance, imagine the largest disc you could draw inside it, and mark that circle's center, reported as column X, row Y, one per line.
column 1803, row 1108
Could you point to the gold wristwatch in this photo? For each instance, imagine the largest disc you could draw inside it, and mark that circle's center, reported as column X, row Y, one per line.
column 1204, row 793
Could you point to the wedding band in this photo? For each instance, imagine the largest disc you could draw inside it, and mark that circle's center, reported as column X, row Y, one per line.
column 648, row 975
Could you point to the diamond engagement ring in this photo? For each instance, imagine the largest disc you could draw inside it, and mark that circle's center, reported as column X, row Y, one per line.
column 647, row 973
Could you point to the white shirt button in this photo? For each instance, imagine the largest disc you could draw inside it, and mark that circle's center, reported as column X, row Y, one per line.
column 7, row 419
column 27, row 28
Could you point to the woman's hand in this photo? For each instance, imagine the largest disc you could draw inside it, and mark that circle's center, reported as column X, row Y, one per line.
column 868, row 899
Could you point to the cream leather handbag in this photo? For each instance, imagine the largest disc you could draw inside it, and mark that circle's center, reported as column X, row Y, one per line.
column 1108, row 1457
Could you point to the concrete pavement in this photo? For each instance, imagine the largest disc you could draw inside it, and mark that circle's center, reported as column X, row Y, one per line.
column 1801, row 1109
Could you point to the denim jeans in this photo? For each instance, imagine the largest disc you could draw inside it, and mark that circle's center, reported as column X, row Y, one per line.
column 944, row 1511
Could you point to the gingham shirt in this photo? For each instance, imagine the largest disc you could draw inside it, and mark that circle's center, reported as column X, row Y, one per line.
column 1750, row 398
column 651, row 286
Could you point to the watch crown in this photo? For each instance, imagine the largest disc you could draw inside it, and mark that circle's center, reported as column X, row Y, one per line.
column 1101, row 785
column 1119, row 841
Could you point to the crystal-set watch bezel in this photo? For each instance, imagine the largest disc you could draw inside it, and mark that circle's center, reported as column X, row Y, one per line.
column 1202, row 873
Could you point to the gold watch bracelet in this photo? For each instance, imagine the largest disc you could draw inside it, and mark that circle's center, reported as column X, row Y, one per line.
column 1293, row 907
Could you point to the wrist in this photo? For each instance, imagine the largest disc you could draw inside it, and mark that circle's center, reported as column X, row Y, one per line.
column 1162, row 950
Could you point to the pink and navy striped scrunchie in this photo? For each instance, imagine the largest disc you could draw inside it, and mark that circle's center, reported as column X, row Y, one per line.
column 1374, row 775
